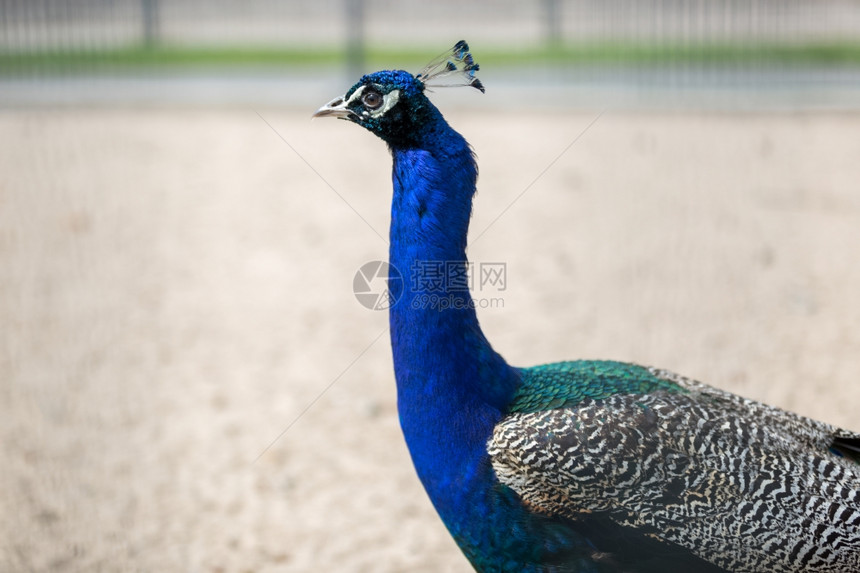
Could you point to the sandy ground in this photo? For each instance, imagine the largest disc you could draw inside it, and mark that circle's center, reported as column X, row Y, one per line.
column 188, row 384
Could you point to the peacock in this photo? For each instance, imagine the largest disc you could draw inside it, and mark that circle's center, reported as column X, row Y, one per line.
column 579, row 466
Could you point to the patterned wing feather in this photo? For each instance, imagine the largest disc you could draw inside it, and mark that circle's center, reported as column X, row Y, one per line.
column 740, row 484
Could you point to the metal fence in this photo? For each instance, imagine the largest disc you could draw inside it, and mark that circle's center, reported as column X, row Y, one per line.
column 728, row 52
column 99, row 24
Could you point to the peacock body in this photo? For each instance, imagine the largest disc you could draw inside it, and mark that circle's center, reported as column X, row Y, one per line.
column 584, row 466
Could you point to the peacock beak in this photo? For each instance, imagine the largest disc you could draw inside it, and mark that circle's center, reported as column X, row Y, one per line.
column 335, row 108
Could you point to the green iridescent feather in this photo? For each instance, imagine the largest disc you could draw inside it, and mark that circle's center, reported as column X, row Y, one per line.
column 566, row 384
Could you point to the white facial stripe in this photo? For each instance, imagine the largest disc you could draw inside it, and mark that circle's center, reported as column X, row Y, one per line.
column 388, row 101
column 355, row 95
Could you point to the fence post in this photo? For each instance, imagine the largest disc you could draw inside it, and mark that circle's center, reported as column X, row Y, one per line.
column 552, row 20
column 150, row 22
column 355, row 37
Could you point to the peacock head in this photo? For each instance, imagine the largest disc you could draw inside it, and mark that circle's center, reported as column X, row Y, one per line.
column 393, row 105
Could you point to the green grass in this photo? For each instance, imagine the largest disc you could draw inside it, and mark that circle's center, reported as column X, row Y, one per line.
column 143, row 58
column 619, row 53
column 134, row 59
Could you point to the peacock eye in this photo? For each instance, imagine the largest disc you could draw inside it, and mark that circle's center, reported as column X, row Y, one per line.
column 372, row 100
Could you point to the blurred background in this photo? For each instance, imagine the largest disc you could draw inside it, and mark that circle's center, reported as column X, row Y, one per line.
column 723, row 52
column 187, row 381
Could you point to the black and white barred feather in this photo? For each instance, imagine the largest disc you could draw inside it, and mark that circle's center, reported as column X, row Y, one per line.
column 745, row 486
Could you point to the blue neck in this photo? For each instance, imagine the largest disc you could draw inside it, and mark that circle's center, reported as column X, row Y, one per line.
column 452, row 387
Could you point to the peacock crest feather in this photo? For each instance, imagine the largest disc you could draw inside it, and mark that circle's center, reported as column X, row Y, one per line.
column 452, row 68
